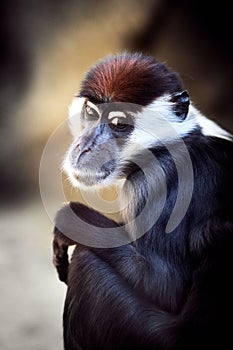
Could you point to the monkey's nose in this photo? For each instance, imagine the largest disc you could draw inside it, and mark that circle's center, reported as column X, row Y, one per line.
column 82, row 150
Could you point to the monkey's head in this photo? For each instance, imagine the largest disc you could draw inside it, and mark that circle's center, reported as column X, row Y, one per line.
column 126, row 102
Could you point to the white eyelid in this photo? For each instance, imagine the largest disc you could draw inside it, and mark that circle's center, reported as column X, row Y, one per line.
column 116, row 114
column 91, row 105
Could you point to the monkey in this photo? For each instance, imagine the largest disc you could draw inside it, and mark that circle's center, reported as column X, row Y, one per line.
column 160, row 278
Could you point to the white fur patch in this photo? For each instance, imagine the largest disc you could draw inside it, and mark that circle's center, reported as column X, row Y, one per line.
column 75, row 110
column 158, row 123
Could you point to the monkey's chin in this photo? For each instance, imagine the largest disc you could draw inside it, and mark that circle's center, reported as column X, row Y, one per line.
column 89, row 180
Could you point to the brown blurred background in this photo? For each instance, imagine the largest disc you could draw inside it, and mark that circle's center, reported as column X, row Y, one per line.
column 46, row 46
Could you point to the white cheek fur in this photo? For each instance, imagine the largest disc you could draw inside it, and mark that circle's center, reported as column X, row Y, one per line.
column 158, row 123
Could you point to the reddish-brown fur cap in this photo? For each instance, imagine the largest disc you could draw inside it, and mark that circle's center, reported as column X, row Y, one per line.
column 133, row 78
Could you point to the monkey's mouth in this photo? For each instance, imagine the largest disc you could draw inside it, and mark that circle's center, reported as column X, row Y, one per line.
column 94, row 175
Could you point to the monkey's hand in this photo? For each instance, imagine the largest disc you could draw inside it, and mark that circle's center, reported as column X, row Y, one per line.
column 60, row 254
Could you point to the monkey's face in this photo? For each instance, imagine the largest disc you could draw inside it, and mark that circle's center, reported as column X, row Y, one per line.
column 94, row 156
column 146, row 105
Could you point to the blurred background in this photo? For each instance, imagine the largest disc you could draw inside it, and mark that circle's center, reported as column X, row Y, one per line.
column 46, row 46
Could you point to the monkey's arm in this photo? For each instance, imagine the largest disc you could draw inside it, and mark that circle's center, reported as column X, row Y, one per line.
column 67, row 228
column 60, row 254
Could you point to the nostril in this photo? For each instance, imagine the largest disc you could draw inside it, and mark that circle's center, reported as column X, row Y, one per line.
column 81, row 148
column 83, row 152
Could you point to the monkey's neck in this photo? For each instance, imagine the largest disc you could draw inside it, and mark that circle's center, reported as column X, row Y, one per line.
column 141, row 202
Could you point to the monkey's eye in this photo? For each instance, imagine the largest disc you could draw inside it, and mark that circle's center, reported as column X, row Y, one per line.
column 90, row 113
column 119, row 124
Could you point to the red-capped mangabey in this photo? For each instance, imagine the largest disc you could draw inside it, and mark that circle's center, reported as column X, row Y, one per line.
column 161, row 279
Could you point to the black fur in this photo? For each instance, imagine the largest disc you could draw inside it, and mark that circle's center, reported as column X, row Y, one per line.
column 165, row 290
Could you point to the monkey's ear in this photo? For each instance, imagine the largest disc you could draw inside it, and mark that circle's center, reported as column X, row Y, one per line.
column 181, row 104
